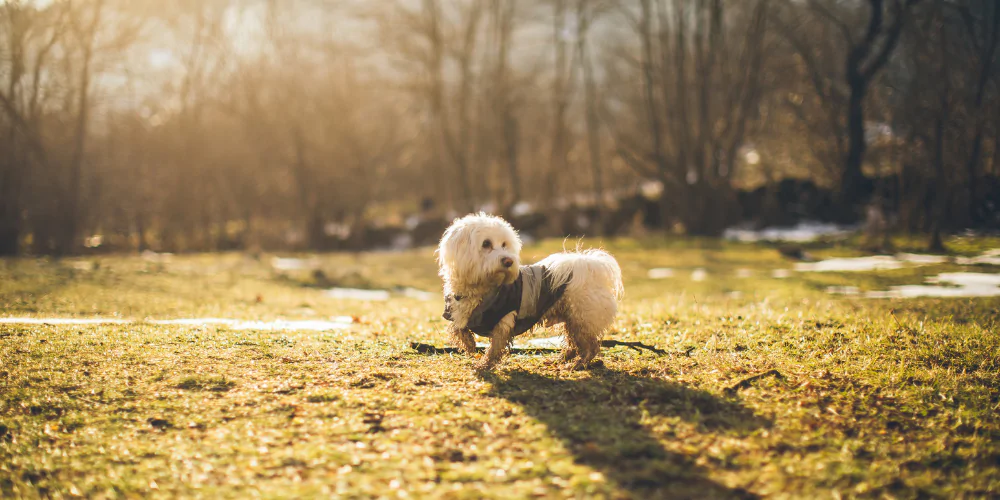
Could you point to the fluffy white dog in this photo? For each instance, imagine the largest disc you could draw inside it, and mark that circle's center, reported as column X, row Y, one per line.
column 489, row 293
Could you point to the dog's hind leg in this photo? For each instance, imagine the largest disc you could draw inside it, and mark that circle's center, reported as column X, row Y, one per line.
column 588, row 345
column 590, row 317
column 500, row 339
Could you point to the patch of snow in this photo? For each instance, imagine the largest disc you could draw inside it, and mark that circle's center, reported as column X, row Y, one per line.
column 357, row 294
column 873, row 263
column 802, row 232
column 659, row 273
column 699, row 274
column 414, row 293
column 193, row 321
column 651, row 190
column 735, row 294
column 311, row 325
column 521, row 208
column 962, row 285
column 915, row 258
column 988, row 258
column 342, row 231
column 151, row 256
column 781, row 274
column 843, row 290
column 64, row 321
column 293, row 264
column 557, row 342
column 336, row 323
column 881, row 262
column 744, row 273
column 82, row 265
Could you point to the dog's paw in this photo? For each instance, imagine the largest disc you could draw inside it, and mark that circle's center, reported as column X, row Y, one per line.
column 483, row 367
column 568, row 355
column 586, row 365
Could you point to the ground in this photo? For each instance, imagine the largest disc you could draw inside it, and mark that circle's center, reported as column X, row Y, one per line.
column 856, row 397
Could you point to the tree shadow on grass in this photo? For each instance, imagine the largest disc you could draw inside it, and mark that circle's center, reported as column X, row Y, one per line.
column 600, row 421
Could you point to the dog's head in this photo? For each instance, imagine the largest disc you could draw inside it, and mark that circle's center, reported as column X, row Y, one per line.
column 479, row 250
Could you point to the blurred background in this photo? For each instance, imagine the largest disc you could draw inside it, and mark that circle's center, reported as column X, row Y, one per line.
column 206, row 125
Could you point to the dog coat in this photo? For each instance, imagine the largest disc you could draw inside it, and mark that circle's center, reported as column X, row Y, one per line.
column 532, row 294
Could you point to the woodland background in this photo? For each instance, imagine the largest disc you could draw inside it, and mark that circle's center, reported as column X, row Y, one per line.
column 200, row 125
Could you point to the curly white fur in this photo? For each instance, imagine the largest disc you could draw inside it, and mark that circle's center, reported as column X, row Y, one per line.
column 472, row 257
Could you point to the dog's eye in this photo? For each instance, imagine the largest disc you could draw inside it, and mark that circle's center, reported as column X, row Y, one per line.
column 487, row 244
column 503, row 245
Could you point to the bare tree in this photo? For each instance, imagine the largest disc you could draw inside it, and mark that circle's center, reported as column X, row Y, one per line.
column 981, row 21
column 699, row 89
column 450, row 97
column 587, row 11
column 29, row 36
column 502, row 14
column 864, row 54
column 172, row 126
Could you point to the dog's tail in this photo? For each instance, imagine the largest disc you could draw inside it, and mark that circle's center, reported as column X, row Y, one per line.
column 587, row 267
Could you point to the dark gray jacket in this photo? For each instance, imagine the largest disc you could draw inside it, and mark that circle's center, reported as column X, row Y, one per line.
column 532, row 294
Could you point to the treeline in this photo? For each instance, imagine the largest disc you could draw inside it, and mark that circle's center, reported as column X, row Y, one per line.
column 220, row 124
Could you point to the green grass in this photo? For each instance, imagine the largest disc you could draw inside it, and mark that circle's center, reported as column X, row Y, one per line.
column 861, row 398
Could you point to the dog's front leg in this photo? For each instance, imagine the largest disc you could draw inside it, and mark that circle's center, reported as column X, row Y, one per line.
column 500, row 339
column 463, row 338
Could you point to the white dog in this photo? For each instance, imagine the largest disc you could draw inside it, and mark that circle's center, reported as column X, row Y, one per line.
column 488, row 292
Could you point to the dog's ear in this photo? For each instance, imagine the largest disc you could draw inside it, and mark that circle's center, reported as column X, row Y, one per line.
column 517, row 241
column 453, row 251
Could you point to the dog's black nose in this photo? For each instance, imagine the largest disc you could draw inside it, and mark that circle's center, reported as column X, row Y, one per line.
column 507, row 261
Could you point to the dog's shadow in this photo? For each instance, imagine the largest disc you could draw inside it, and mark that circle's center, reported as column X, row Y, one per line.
column 600, row 420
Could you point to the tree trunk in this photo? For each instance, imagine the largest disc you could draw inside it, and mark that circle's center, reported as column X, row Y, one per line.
column 593, row 125
column 71, row 215
column 560, row 102
column 852, row 179
column 140, row 230
column 939, row 191
column 649, row 88
column 503, row 19
column 10, row 201
column 69, row 239
column 995, row 166
column 972, row 172
column 10, row 216
column 975, row 156
column 511, row 138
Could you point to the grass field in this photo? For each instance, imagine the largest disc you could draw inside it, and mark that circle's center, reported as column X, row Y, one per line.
column 855, row 398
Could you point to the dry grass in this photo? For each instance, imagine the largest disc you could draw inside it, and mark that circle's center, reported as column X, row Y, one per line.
column 861, row 398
